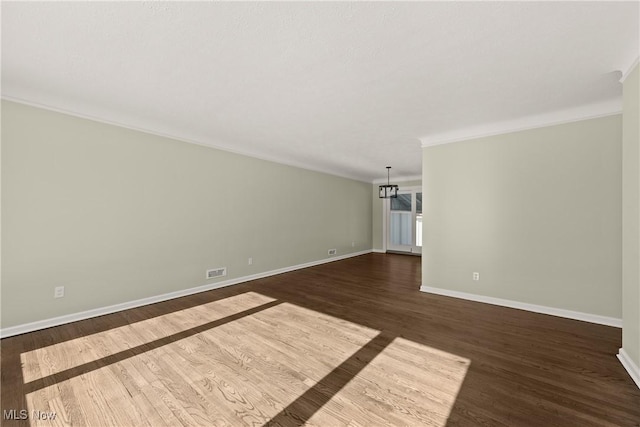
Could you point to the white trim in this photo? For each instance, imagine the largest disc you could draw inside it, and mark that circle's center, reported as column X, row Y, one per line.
column 379, row 251
column 409, row 189
column 218, row 145
column 632, row 368
column 576, row 315
column 398, row 179
column 68, row 318
column 593, row 111
column 630, row 68
column 385, row 209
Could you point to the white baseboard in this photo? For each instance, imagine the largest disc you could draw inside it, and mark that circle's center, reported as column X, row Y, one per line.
column 576, row 315
column 632, row 368
column 379, row 251
column 68, row 318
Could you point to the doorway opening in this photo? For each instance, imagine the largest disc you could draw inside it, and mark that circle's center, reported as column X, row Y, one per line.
column 403, row 220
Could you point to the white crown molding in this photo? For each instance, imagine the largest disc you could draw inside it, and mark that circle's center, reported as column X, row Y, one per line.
column 398, row 179
column 585, row 112
column 68, row 318
column 632, row 368
column 209, row 144
column 629, row 69
column 576, row 315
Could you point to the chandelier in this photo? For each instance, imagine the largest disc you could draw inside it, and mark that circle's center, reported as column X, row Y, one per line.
column 388, row 190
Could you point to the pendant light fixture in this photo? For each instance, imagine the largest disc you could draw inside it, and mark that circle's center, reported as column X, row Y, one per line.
column 388, row 191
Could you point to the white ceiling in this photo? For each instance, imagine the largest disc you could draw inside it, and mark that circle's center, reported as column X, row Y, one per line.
column 346, row 88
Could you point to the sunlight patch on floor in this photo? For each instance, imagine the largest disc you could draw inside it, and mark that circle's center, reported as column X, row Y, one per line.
column 242, row 372
column 409, row 384
column 59, row 357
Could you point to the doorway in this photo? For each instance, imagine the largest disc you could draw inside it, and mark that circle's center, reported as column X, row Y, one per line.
column 404, row 221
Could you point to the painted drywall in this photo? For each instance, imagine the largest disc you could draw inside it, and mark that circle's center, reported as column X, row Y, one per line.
column 631, row 216
column 376, row 210
column 537, row 213
column 116, row 215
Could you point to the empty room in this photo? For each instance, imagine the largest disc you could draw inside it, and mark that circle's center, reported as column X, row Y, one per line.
column 320, row 213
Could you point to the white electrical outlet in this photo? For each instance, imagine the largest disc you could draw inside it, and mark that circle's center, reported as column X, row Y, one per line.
column 476, row 276
column 58, row 292
column 332, row 251
column 250, row 261
column 353, row 244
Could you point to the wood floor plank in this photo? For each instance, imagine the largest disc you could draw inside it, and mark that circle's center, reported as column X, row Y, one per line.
column 350, row 343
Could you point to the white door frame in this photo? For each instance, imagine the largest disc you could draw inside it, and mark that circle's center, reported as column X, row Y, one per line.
column 386, row 204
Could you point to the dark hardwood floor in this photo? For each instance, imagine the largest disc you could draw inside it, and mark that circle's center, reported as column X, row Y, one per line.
column 352, row 342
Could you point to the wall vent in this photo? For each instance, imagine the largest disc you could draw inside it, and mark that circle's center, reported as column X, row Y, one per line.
column 333, row 251
column 216, row 272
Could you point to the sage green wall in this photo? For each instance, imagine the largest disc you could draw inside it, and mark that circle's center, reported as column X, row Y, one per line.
column 116, row 215
column 376, row 207
column 631, row 216
column 537, row 213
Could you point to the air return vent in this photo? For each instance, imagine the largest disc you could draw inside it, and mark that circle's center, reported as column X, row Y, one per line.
column 216, row 272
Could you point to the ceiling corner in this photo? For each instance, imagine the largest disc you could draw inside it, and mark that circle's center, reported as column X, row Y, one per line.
column 627, row 70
